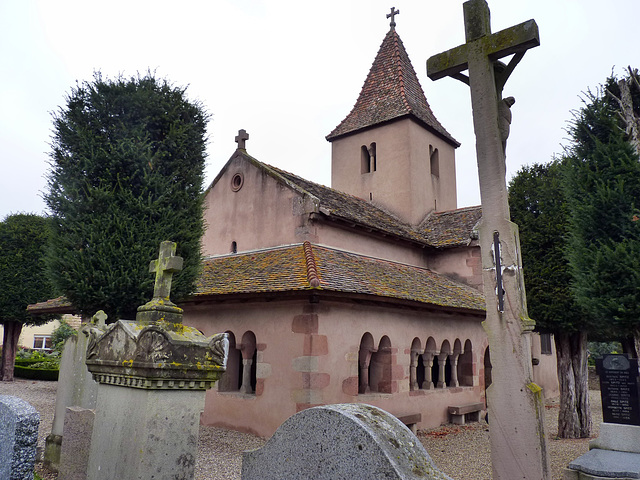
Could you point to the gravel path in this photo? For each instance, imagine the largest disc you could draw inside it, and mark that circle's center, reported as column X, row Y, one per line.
column 460, row 451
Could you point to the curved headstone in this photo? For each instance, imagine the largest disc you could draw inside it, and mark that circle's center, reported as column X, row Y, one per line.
column 343, row 441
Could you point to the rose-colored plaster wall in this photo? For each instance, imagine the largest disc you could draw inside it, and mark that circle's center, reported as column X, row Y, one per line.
column 262, row 213
column 545, row 373
column 461, row 264
column 402, row 181
column 308, row 355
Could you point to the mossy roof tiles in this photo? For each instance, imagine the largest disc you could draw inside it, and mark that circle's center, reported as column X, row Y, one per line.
column 452, row 228
column 285, row 269
column 56, row 305
column 391, row 91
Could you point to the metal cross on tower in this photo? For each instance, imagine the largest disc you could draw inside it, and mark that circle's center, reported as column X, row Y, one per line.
column 392, row 15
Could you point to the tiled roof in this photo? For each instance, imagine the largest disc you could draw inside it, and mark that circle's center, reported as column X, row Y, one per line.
column 352, row 209
column 286, row 269
column 56, row 305
column 452, row 228
column 391, row 91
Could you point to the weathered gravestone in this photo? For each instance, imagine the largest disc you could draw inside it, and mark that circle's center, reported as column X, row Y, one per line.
column 341, row 442
column 152, row 374
column 615, row 454
column 19, row 423
column 76, row 388
column 514, row 401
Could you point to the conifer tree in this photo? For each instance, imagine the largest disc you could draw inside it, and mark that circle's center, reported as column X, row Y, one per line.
column 23, row 280
column 538, row 207
column 127, row 172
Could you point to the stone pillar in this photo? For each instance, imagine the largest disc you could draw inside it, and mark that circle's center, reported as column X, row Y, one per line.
column 413, row 371
column 364, row 361
column 247, row 363
column 454, row 370
column 427, row 358
column 442, row 363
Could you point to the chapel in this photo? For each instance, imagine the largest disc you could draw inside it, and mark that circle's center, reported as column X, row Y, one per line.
column 368, row 291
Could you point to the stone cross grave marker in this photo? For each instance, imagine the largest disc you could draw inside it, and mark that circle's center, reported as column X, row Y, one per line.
column 515, row 403
column 19, row 423
column 241, row 138
column 161, row 308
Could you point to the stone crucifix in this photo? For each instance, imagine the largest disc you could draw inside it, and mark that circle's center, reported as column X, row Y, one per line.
column 241, row 138
column 160, row 308
column 515, row 403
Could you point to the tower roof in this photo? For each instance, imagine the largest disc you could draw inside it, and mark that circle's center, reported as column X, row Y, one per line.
column 391, row 91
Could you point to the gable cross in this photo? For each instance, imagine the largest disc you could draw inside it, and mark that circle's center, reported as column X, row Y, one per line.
column 392, row 15
column 241, row 138
column 164, row 267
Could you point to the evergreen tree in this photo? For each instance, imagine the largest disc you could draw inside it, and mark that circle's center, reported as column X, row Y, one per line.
column 23, row 242
column 127, row 172
column 602, row 186
column 538, row 206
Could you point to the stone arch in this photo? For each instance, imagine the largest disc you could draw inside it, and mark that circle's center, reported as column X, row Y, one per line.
column 380, row 367
column 465, row 365
column 249, row 362
column 444, row 365
column 232, row 377
column 365, row 350
column 429, row 361
column 416, row 365
column 454, row 357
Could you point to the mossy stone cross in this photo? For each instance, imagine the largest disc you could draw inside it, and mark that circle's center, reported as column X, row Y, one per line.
column 164, row 267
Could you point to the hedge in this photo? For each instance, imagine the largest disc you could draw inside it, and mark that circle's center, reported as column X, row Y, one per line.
column 23, row 371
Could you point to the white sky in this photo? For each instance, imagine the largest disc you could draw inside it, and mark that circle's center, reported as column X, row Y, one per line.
column 288, row 71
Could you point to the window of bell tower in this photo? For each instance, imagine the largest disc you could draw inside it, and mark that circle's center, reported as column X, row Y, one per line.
column 434, row 161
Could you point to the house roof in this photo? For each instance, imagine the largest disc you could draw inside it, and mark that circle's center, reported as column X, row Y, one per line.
column 58, row 305
column 307, row 267
column 391, row 91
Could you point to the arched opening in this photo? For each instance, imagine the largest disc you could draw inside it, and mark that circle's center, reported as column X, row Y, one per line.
column 465, row 365
column 428, row 361
column 364, row 358
column 444, row 371
column 232, row 378
column 249, row 361
column 373, row 156
column 487, row 369
column 380, row 367
column 365, row 160
column 414, row 365
column 434, row 161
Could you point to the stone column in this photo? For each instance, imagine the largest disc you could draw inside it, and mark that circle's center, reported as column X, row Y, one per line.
column 247, row 363
column 363, row 361
column 427, row 358
column 454, row 370
column 442, row 362
column 413, row 371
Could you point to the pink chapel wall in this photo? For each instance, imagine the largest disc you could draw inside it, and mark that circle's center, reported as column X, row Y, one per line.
column 259, row 214
column 463, row 264
column 308, row 355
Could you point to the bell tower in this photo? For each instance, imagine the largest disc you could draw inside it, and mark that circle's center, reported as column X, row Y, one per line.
column 391, row 150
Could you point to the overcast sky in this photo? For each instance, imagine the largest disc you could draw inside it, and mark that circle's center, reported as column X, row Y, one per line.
column 289, row 71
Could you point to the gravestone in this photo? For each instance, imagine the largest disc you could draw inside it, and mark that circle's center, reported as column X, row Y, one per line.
column 619, row 389
column 76, row 388
column 152, row 375
column 615, row 454
column 341, row 442
column 515, row 403
column 74, row 456
column 19, row 423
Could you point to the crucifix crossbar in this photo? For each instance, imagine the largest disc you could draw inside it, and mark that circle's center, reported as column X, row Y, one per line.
column 164, row 267
column 514, row 40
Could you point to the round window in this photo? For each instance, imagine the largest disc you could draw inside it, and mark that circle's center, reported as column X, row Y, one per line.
column 236, row 182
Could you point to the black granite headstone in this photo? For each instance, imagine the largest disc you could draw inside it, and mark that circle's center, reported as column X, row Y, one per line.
column 619, row 389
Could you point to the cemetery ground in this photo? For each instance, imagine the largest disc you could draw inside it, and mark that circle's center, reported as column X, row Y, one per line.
column 462, row 451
